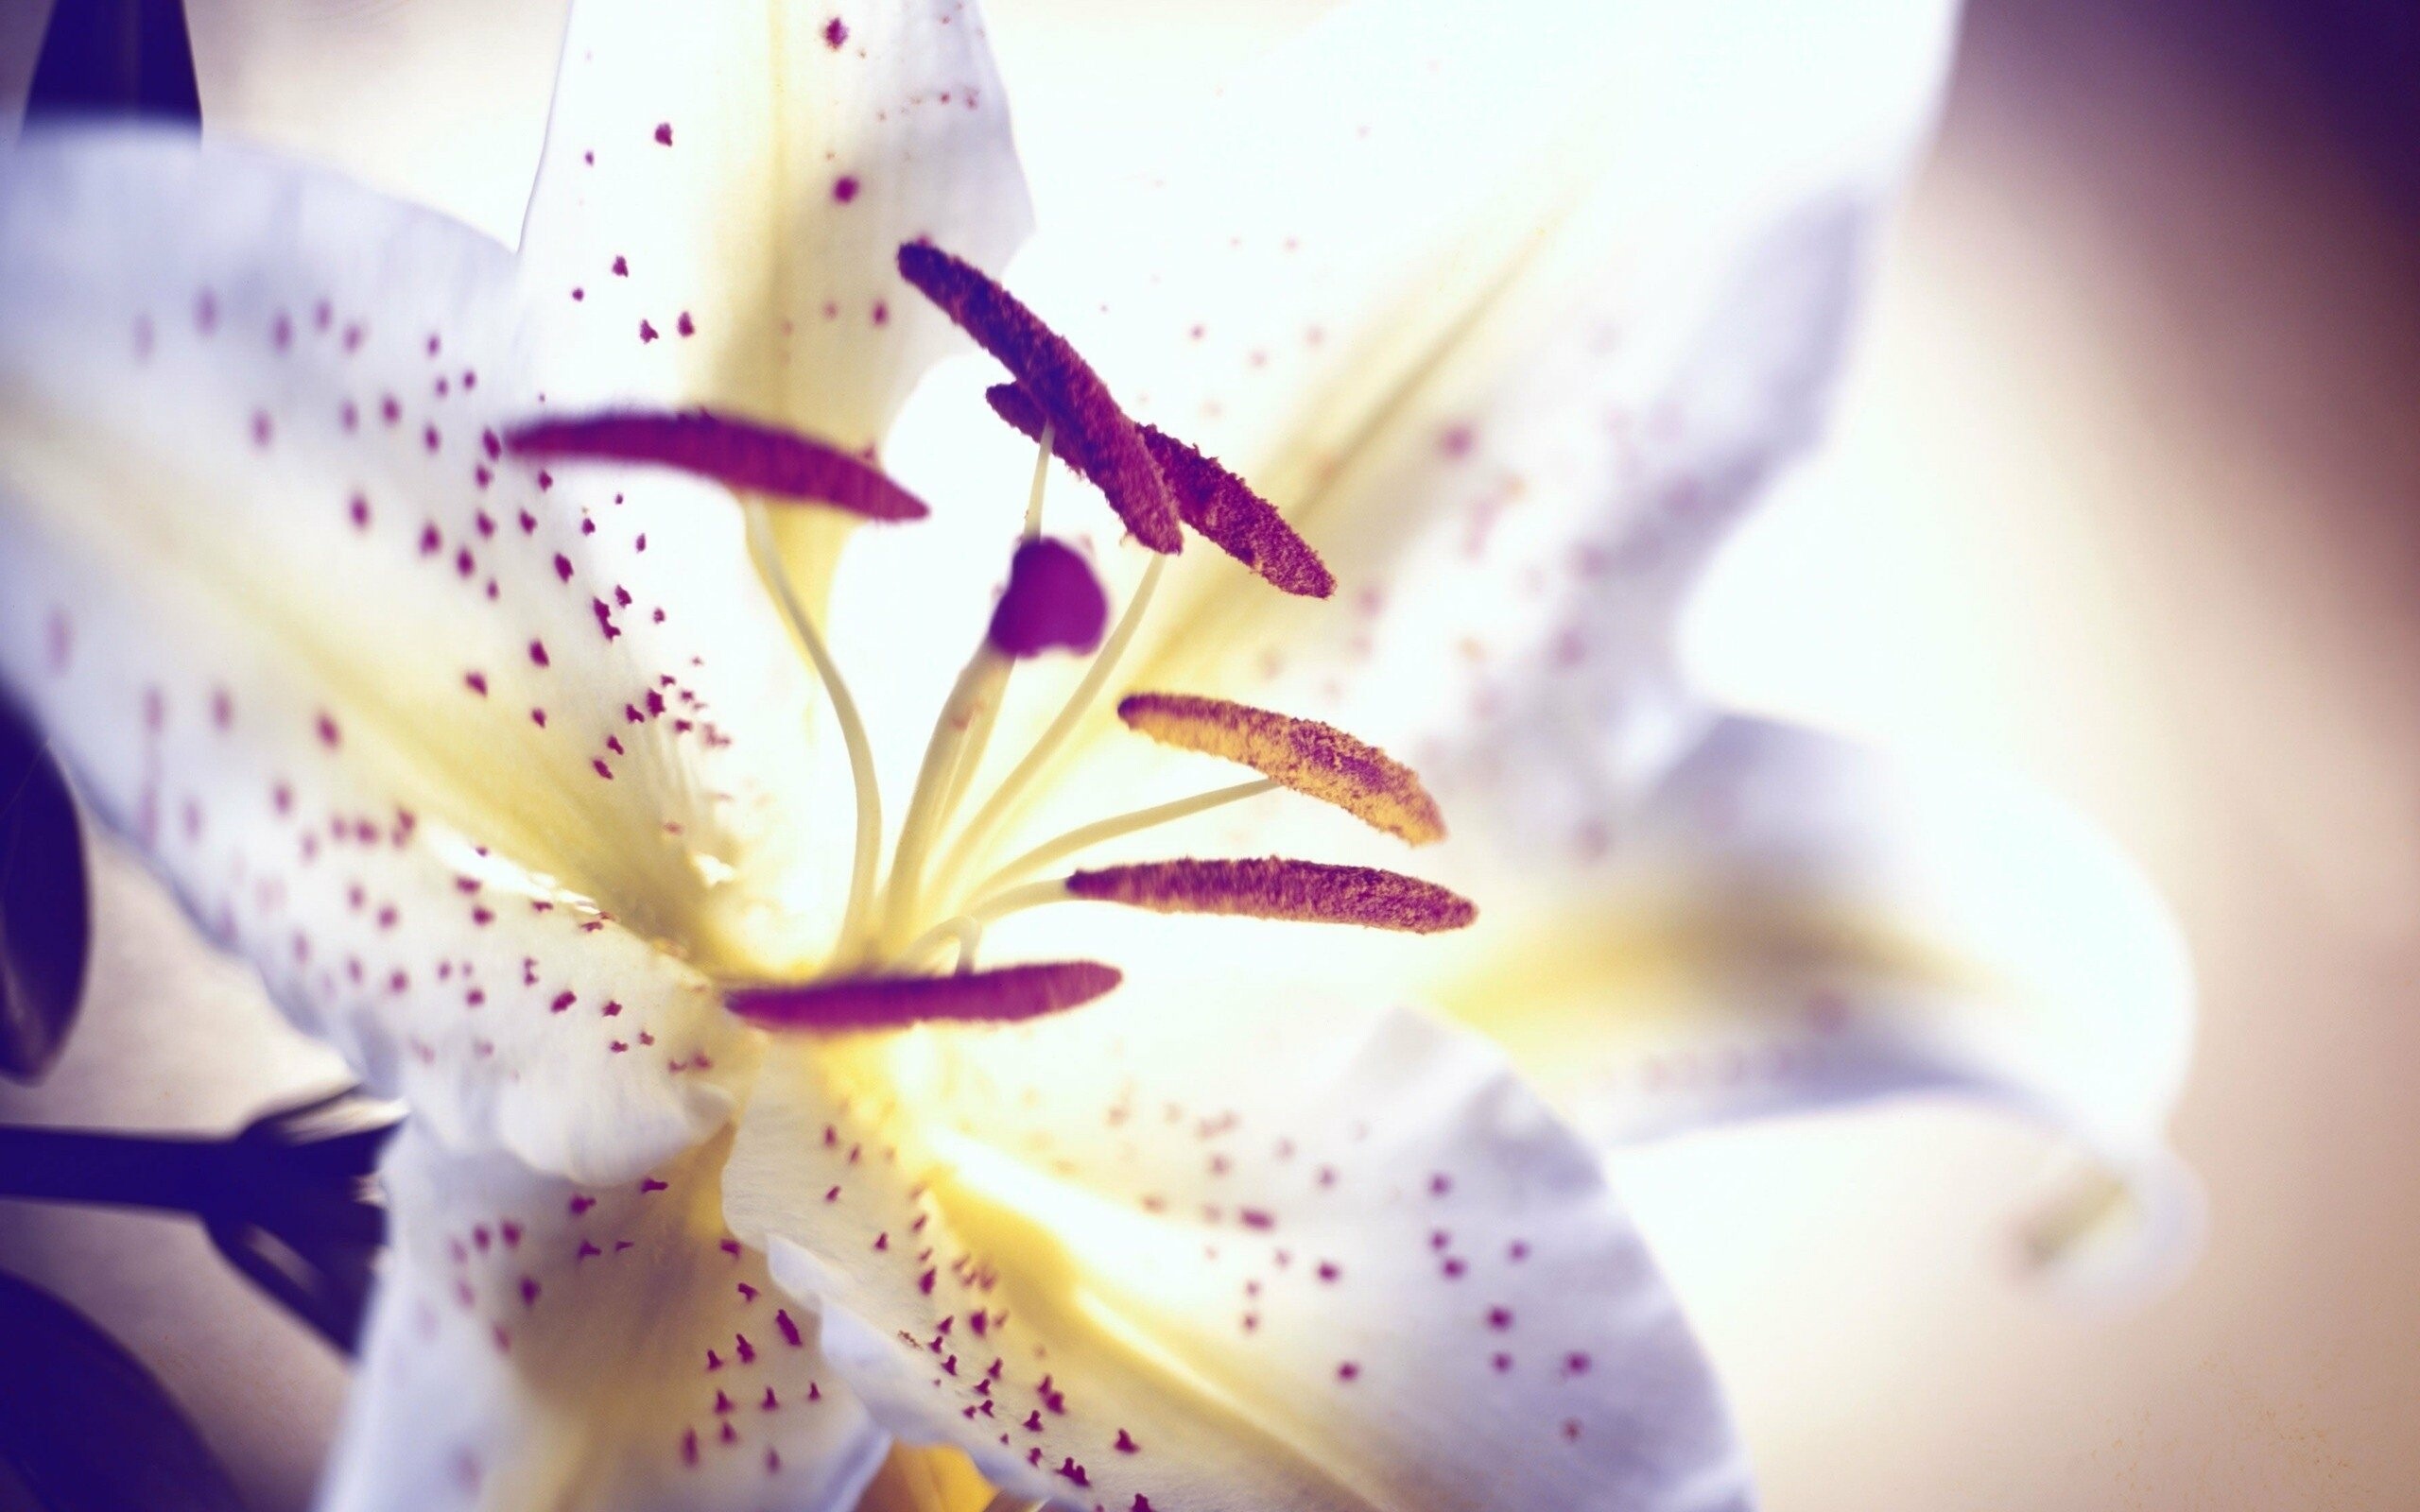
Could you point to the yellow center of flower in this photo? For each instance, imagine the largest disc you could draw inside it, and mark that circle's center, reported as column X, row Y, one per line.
column 945, row 882
column 946, row 879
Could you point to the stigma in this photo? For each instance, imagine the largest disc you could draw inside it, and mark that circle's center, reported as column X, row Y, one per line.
column 1052, row 603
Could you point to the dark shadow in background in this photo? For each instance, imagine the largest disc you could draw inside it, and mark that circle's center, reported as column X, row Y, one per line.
column 115, row 58
column 2363, row 57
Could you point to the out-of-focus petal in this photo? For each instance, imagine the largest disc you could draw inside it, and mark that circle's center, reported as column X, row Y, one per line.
column 1531, row 647
column 1512, row 309
column 723, row 188
column 1174, row 1251
column 440, row 102
column 1793, row 922
column 537, row 1343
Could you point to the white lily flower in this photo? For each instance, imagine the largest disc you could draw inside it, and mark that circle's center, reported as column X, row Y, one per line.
column 1516, row 379
column 493, row 766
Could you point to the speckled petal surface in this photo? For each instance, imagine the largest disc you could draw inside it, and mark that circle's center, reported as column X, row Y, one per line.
column 723, row 187
column 537, row 1343
column 1511, row 377
column 1174, row 1252
column 433, row 737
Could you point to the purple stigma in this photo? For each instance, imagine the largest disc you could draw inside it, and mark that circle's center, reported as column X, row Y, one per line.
column 1053, row 602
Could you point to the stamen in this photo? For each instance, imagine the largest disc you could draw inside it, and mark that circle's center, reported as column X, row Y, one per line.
column 868, row 859
column 1236, row 520
column 1308, row 892
column 742, row 453
column 965, row 930
column 1067, row 387
column 1052, row 603
column 1211, row 500
column 1041, row 479
column 1026, row 416
column 1117, row 826
column 1313, row 759
column 1006, row 995
column 967, row 934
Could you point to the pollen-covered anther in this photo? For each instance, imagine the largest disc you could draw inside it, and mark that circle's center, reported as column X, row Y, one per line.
column 1211, row 500
column 1069, row 392
column 1318, row 760
column 1006, row 995
column 1303, row 891
column 766, row 459
column 1052, row 603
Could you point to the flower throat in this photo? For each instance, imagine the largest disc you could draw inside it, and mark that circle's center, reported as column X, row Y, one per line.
column 946, row 882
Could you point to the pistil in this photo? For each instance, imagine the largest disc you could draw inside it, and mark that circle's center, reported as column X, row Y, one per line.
column 978, row 737
column 965, row 850
column 1052, row 602
column 979, row 685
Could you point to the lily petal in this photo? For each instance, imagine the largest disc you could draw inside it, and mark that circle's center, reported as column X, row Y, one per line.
column 1512, row 378
column 404, row 719
column 1794, row 922
column 723, row 190
column 537, row 1343
column 440, row 102
column 1289, row 1254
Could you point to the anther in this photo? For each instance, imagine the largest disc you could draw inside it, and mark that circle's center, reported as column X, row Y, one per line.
column 1305, row 891
column 1008, row 995
column 1316, row 760
column 1215, row 502
column 1066, row 387
column 742, row 453
column 1053, row 602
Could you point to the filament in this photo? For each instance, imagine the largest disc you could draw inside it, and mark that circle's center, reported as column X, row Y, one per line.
column 1086, row 836
column 844, row 712
column 978, row 685
column 984, row 913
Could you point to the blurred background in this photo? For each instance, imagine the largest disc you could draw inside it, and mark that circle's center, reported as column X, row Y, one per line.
column 2125, row 492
